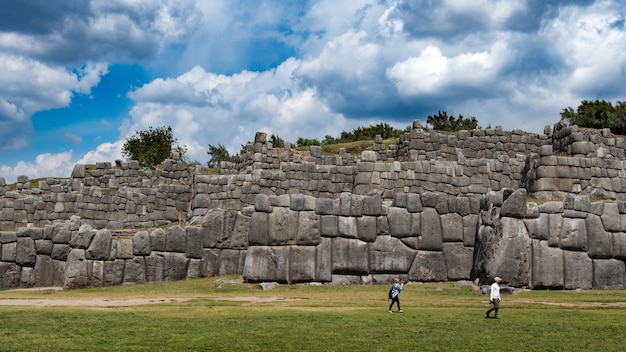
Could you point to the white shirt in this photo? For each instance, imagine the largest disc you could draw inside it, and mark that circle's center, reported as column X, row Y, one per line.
column 495, row 291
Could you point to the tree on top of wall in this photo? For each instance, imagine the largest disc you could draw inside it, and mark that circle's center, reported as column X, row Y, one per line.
column 597, row 114
column 444, row 122
column 149, row 147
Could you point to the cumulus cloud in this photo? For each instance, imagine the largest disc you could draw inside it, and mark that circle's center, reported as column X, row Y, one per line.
column 45, row 165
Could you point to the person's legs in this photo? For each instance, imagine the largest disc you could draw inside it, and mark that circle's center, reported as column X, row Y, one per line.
column 494, row 308
column 393, row 300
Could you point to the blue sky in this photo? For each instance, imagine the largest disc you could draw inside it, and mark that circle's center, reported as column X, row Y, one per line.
column 79, row 77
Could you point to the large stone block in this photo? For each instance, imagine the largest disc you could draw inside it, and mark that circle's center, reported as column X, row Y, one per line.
column 259, row 229
column 459, row 260
column 428, row 266
column 347, row 227
column 577, row 270
column 10, row 275
column 232, row 261
column 389, row 255
column 302, row 264
column 100, row 246
column 134, row 270
column 470, row 228
column 399, row 222
column 573, row 234
column 547, row 266
column 194, row 243
column 210, row 263
column 175, row 239
column 44, row 271
column 554, row 234
column 83, row 239
column 266, row 263
column 599, row 242
column 539, row 228
column 452, row 227
column 329, row 225
column 619, row 245
column 308, row 229
column 77, row 270
column 141, row 243
column 283, row 226
column 323, row 270
column 611, row 218
column 515, row 205
column 349, row 256
column 366, row 228
column 9, row 252
column 113, row 272
column 431, row 238
column 608, row 274
column 26, row 254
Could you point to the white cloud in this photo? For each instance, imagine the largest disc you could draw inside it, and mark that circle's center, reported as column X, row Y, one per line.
column 45, row 165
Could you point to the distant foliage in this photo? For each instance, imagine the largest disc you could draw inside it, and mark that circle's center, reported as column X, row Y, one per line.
column 277, row 142
column 149, row 147
column 218, row 154
column 444, row 122
column 305, row 142
column 598, row 114
column 358, row 134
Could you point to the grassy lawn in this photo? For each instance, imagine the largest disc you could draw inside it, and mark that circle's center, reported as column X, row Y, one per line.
column 222, row 315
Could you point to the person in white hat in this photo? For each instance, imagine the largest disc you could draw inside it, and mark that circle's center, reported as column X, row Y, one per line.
column 494, row 298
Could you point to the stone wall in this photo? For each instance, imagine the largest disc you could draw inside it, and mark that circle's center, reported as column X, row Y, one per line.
column 574, row 244
column 433, row 207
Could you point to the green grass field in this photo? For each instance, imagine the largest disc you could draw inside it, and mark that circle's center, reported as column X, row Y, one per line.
column 223, row 315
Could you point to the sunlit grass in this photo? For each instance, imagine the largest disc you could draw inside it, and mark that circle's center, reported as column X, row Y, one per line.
column 223, row 314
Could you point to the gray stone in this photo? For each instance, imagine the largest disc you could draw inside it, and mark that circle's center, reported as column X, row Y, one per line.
column 389, row 255
column 113, row 272
column 283, row 227
column 515, row 205
column 547, row 266
column 470, row 228
column 10, row 275
column 302, row 260
column 399, row 222
column 308, row 229
column 577, row 270
column 232, row 262
column 43, row 247
column 259, row 229
column 573, row 234
column 194, row 242
column 210, row 264
column 100, row 246
column 262, row 203
column 60, row 251
column 141, row 243
column 452, row 227
column 134, row 270
column 26, row 254
column 347, row 227
column 43, row 271
column 175, row 240
column 431, row 238
column 9, row 252
column 539, row 228
column 459, row 260
column 428, row 266
column 266, row 263
column 77, row 270
column 608, row 274
column 329, row 226
column 83, row 239
column 599, row 242
column 349, row 256
column 619, row 245
column 366, row 228
column 611, row 218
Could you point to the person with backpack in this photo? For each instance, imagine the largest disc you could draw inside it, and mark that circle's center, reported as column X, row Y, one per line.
column 394, row 294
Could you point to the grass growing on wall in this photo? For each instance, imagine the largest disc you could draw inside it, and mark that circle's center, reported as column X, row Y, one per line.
column 222, row 316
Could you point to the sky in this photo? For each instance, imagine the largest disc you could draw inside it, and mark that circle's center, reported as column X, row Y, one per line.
column 77, row 78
